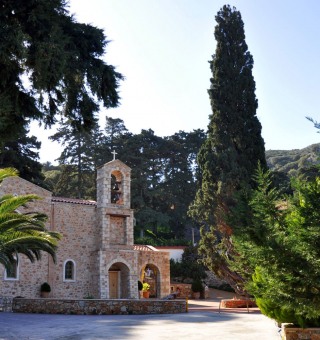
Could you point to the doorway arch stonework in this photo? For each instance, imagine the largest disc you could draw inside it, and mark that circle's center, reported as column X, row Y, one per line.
column 118, row 281
column 150, row 274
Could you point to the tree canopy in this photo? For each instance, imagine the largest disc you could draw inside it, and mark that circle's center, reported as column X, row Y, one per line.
column 164, row 173
column 234, row 146
column 50, row 66
column 278, row 250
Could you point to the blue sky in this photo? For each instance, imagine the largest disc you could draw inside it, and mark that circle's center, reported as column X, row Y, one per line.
column 162, row 47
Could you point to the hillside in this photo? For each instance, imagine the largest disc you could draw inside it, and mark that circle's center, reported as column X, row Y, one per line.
column 292, row 161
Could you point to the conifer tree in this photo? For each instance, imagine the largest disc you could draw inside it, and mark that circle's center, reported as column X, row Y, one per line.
column 79, row 153
column 234, row 146
column 278, row 250
column 50, row 65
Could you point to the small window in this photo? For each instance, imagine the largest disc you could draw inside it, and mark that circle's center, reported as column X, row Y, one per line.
column 69, row 271
column 12, row 273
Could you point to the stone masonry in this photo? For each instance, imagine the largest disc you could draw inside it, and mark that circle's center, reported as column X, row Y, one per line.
column 99, row 307
column 97, row 238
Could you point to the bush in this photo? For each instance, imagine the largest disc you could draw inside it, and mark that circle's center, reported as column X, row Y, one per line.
column 280, row 250
column 197, row 286
column 45, row 287
column 283, row 313
column 189, row 267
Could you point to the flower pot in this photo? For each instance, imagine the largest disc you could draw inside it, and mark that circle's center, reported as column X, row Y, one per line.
column 146, row 294
column 44, row 294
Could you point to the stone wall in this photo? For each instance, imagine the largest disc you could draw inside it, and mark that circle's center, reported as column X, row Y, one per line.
column 96, row 238
column 30, row 275
column 289, row 332
column 237, row 303
column 79, row 243
column 125, row 260
column 160, row 260
column 184, row 288
column 76, row 221
column 98, row 307
column 6, row 304
column 122, row 172
column 214, row 282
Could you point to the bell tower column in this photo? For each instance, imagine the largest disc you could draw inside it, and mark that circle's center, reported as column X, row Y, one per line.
column 115, row 222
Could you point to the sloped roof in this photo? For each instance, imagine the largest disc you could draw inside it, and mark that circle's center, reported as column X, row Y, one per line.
column 116, row 162
column 73, row 201
column 143, row 247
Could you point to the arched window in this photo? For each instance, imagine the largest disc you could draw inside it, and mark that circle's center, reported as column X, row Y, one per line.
column 69, row 270
column 116, row 188
column 12, row 273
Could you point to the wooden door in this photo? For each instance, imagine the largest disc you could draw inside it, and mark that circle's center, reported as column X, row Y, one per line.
column 114, row 285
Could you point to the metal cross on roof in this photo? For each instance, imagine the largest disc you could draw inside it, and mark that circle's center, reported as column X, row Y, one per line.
column 114, row 154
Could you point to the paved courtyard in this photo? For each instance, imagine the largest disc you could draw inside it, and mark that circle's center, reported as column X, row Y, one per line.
column 202, row 322
column 191, row 326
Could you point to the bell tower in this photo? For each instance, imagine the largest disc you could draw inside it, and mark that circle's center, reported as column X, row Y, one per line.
column 117, row 259
column 113, row 204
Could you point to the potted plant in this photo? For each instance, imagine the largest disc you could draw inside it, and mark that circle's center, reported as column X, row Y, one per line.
column 145, row 290
column 197, row 288
column 45, row 289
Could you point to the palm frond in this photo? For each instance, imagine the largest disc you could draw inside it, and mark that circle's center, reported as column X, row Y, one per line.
column 23, row 233
column 7, row 172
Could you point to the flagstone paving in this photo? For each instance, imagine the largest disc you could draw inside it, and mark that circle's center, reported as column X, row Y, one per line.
column 202, row 321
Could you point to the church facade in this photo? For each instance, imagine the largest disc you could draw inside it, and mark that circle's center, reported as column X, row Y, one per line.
column 96, row 257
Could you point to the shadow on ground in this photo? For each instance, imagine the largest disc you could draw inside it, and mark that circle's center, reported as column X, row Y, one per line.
column 203, row 321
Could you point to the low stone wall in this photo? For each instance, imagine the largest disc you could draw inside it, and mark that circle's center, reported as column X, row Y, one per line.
column 289, row 332
column 183, row 288
column 5, row 304
column 237, row 303
column 98, row 307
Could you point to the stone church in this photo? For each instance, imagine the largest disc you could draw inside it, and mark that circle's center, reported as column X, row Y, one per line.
column 96, row 257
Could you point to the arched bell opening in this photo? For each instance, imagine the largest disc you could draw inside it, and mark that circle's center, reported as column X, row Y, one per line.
column 116, row 187
column 119, row 281
column 150, row 274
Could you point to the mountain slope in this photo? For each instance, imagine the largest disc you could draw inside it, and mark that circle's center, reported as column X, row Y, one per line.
column 291, row 162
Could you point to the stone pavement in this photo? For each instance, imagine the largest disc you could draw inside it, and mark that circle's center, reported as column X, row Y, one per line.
column 203, row 321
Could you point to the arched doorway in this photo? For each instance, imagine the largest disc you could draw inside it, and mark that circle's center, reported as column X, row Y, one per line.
column 150, row 274
column 118, row 275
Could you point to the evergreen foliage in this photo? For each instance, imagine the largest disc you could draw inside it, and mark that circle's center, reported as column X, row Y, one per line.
column 197, row 286
column 45, row 287
column 79, row 153
column 164, row 174
column 190, row 266
column 50, row 65
column 279, row 253
column 234, row 146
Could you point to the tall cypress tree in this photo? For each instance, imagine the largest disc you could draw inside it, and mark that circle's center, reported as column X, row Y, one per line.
column 234, row 146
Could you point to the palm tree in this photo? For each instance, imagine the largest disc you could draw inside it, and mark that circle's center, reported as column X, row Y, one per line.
column 22, row 233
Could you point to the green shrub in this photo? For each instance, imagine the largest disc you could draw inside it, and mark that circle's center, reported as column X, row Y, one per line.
column 197, row 286
column 279, row 251
column 45, row 287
